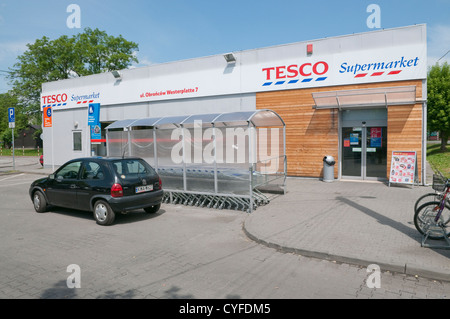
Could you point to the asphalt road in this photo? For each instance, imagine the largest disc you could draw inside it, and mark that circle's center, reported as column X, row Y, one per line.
column 180, row 252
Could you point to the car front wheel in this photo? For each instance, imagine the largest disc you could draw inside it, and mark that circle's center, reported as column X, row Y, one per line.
column 39, row 202
column 103, row 213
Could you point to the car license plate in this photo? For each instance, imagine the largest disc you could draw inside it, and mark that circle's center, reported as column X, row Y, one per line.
column 142, row 189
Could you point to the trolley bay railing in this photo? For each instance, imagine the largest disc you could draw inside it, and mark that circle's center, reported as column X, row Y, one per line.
column 231, row 161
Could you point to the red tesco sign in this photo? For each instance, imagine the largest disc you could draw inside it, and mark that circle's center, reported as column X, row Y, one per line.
column 294, row 70
column 55, row 98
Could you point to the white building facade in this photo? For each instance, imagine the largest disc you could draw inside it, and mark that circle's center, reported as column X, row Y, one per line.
column 357, row 98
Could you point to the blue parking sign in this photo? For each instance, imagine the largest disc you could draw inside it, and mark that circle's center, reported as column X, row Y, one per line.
column 11, row 115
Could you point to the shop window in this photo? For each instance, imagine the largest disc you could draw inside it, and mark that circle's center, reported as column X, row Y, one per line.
column 77, row 141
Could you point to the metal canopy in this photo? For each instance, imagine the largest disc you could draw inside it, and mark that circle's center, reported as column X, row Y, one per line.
column 203, row 118
column 258, row 118
column 224, row 165
column 144, row 122
column 120, row 124
column 383, row 97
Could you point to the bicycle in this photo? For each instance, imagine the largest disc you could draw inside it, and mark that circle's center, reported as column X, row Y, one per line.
column 429, row 197
column 438, row 186
column 432, row 219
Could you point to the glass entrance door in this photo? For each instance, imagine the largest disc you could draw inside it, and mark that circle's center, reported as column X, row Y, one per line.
column 376, row 153
column 364, row 152
column 352, row 152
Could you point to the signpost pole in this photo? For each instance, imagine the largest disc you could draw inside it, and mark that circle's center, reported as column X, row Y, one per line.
column 12, row 124
column 94, row 126
column 53, row 151
column 14, row 159
column 48, row 122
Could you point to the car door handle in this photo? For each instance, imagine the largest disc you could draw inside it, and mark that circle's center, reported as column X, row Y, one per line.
column 73, row 186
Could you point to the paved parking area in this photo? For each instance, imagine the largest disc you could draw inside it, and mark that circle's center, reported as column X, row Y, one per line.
column 180, row 252
column 37, row 248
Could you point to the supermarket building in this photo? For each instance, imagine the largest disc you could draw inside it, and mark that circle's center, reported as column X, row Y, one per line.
column 358, row 98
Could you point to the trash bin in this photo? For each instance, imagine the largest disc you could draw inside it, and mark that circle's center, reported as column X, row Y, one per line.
column 328, row 168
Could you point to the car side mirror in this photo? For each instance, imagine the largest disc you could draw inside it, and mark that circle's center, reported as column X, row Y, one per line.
column 51, row 176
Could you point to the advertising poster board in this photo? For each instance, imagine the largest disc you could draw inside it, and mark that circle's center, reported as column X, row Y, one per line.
column 95, row 134
column 403, row 167
column 376, row 137
column 94, row 122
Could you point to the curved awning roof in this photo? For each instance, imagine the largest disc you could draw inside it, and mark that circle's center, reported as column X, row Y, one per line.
column 360, row 98
column 257, row 118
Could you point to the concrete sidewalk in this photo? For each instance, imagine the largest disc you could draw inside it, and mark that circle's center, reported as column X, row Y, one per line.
column 360, row 223
column 352, row 222
column 22, row 164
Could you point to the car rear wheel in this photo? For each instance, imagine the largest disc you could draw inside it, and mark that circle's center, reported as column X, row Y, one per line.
column 39, row 202
column 152, row 209
column 103, row 213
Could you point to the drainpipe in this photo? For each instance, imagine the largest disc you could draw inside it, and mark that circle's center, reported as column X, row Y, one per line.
column 424, row 131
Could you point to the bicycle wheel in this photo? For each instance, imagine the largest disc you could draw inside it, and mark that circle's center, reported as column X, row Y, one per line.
column 424, row 220
column 430, row 197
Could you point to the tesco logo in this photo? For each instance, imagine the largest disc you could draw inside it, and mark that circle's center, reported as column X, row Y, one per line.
column 55, row 98
column 290, row 73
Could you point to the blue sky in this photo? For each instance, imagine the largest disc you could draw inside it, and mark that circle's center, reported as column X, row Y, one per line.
column 172, row 30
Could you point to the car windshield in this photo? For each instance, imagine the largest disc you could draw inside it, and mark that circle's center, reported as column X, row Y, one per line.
column 130, row 167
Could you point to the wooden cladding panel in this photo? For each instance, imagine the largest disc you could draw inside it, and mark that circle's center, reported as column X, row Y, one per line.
column 311, row 134
column 405, row 132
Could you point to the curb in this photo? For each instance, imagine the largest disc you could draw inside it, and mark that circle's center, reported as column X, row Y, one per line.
column 11, row 172
column 5, row 173
column 405, row 269
column 34, row 172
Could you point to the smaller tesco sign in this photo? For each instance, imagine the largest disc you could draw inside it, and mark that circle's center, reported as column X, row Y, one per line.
column 62, row 99
column 292, row 73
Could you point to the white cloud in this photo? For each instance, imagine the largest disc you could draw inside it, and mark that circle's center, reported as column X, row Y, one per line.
column 438, row 44
column 143, row 61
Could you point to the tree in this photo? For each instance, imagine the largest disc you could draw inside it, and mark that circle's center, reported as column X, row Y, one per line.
column 44, row 61
column 103, row 53
column 439, row 102
column 90, row 52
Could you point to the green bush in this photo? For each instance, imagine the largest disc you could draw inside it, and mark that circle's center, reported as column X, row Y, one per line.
column 20, row 152
column 439, row 160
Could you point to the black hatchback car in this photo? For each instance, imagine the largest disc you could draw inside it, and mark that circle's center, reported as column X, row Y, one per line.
column 102, row 185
